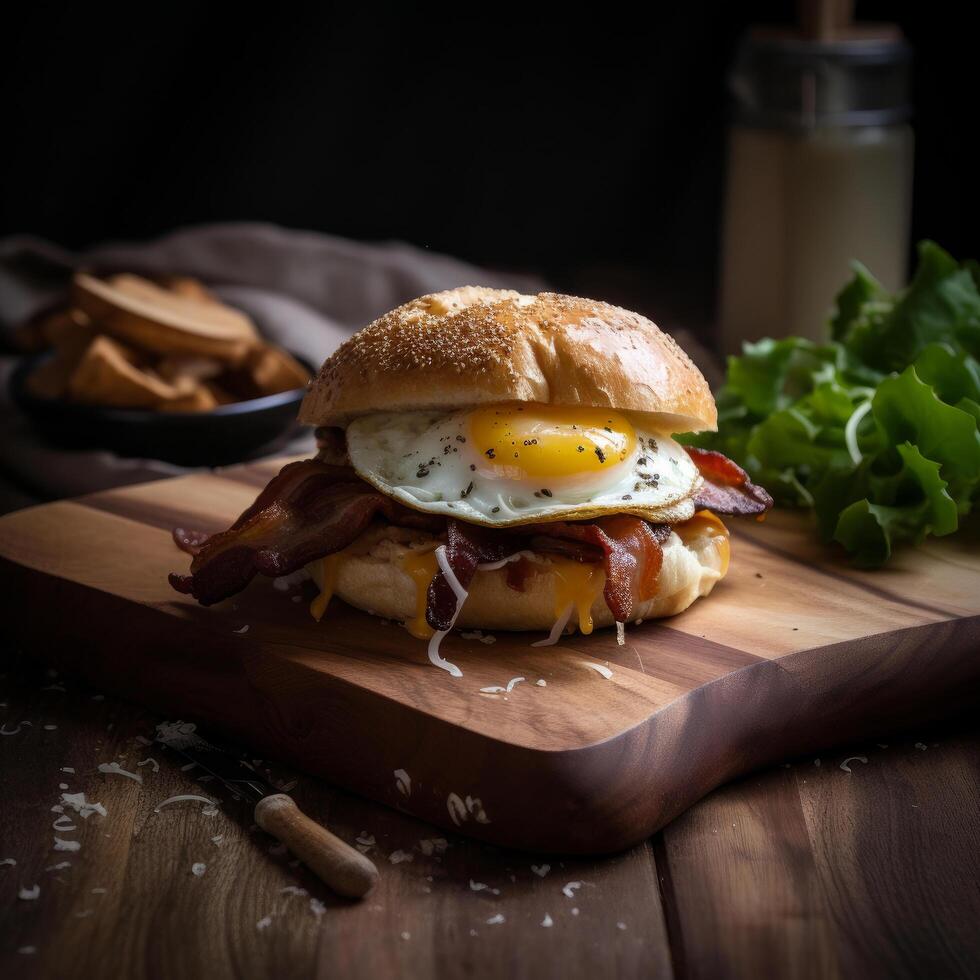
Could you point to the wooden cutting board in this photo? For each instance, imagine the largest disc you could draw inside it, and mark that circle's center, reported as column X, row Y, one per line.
column 793, row 652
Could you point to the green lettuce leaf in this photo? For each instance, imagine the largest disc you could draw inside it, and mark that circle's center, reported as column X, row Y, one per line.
column 876, row 430
column 913, row 503
column 909, row 410
column 941, row 305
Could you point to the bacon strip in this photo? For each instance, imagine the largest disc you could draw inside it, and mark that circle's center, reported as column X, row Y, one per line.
column 314, row 508
column 628, row 548
column 727, row 488
column 310, row 509
column 467, row 545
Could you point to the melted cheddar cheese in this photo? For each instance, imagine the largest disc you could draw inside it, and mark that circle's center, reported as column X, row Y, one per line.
column 327, row 583
column 577, row 583
column 421, row 567
column 705, row 523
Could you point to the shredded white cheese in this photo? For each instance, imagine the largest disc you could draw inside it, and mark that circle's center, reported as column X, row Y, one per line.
column 285, row 582
column 478, row 635
column 854, row 758
column 403, row 782
column 115, row 769
column 461, row 595
column 198, row 869
column 540, row 869
column 456, row 808
column 547, row 921
column 81, row 806
column 495, row 920
column 184, row 796
column 599, row 669
column 475, row 808
column 571, row 888
column 850, row 432
column 29, row 894
column 66, row 845
column 490, row 566
column 556, row 631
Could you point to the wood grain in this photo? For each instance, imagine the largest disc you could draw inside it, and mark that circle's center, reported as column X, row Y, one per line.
column 868, row 873
column 881, row 883
column 790, row 654
column 157, row 919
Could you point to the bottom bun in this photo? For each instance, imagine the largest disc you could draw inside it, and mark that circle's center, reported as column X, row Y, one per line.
column 370, row 576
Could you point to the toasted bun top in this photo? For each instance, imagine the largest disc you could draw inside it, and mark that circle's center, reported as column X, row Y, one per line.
column 472, row 345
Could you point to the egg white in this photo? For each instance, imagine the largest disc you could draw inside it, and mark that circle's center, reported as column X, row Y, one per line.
column 424, row 460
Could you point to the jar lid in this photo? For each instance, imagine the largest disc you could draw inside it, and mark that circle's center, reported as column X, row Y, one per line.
column 784, row 81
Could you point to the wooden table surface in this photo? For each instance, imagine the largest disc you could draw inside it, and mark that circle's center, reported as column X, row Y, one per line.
column 802, row 870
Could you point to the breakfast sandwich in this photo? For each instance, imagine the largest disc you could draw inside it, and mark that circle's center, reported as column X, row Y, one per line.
column 495, row 461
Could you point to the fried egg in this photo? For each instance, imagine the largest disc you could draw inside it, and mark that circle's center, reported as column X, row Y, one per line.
column 522, row 463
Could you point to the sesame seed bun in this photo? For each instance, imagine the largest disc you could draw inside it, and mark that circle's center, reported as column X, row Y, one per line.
column 370, row 577
column 472, row 345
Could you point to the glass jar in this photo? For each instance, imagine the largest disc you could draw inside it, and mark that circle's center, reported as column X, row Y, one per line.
column 819, row 174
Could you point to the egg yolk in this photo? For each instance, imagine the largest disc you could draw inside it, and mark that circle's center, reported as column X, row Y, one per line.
column 542, row 442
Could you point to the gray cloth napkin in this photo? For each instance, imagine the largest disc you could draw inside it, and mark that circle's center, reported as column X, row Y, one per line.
column 306, row 291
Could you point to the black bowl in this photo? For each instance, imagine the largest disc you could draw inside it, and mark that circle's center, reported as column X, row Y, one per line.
column 227, row 434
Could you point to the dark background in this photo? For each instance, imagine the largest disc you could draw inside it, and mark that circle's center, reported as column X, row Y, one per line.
column 586, row 146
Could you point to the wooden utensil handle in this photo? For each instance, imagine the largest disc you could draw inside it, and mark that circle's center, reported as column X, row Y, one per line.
column 345, row 870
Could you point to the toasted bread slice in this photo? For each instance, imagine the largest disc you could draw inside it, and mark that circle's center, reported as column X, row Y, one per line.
column 189, row 287
column 154, row 319
column 273, row 370
column 199, row 400
column 107, row 374
column 196, row 368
